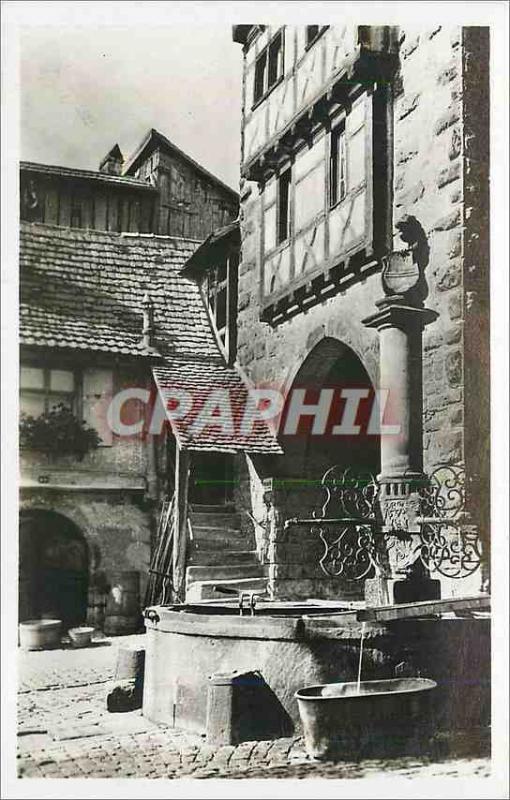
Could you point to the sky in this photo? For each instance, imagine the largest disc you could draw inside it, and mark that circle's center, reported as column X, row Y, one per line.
column 85, row 88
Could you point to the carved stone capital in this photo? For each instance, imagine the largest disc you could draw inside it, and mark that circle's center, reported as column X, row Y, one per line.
column 399, row 507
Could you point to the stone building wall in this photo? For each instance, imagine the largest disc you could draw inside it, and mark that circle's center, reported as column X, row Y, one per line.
column 429, row 152
column 108, row 495
column 115, row 525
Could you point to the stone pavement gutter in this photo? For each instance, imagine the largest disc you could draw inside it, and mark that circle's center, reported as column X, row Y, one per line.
column 65, row 731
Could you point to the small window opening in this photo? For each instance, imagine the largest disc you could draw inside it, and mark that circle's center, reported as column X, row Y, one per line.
column 283, row 206
column 338, row 176
column 260, row 77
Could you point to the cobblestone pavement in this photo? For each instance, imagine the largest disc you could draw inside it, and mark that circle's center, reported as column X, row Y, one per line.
column 65, row 731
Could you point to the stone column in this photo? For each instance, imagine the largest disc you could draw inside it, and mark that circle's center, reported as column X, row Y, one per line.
column 400, row 325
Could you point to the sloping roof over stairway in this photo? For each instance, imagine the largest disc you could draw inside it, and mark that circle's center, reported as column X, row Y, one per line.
column 220, row 417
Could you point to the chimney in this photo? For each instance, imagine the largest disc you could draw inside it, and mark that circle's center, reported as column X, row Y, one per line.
column 112, row 162
column 148, row 322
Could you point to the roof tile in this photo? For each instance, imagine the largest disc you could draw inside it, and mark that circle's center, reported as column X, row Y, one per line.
column 228, row 395
column 85, row 289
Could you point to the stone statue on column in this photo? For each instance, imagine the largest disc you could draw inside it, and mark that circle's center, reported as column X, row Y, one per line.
column 400, row 319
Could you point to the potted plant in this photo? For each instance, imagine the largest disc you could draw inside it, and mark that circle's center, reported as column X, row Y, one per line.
column 58, row 432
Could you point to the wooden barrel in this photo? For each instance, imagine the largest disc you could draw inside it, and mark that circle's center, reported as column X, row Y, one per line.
column 122, row 613
column 96, row 606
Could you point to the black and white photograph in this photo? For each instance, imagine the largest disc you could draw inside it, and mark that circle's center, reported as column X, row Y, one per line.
column 255, row 399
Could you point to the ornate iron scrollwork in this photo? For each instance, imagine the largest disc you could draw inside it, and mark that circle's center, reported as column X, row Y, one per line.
column 449, row 545
column 433, row 531
column 346, row 524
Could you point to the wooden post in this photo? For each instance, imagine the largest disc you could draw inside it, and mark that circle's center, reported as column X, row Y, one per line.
column 182, row 466
column 231, row 326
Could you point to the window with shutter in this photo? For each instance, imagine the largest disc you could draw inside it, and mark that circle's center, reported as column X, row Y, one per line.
column 350, row 189
column 97, row 396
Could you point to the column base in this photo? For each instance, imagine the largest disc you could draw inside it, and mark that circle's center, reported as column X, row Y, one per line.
column 391, row 591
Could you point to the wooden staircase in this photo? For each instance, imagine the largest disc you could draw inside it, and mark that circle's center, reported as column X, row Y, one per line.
column 220, row 554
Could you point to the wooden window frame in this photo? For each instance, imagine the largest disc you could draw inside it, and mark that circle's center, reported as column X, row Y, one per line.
column 377, row 183
column 338, row 164
column 46, row 392
column 320, row 30
column 76, row 211
column 283, row 193
column 264, row 58
column 227, row 333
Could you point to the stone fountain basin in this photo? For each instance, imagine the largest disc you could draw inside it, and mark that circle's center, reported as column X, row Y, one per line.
column 186, row 644
column 374, row 718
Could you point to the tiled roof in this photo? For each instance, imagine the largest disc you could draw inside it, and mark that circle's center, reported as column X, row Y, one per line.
column 84, row 289
column 226, row 393
column 124, row 181
column 213, row 248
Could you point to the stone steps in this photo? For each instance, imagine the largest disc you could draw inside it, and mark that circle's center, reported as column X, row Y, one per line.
column 202, row 558
column 224, row 572
column 225, row 539
column 206, row 590
column 220, row 553
column 216, row 520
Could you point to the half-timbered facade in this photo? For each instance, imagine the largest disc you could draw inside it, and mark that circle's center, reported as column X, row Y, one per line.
column 364, row 263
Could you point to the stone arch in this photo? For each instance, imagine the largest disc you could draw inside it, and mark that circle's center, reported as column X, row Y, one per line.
column 67, row 507
column 54, row 562
column 330, row 363
column 325, row 342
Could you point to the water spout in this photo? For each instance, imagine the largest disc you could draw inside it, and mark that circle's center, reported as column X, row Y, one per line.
column 358, row 684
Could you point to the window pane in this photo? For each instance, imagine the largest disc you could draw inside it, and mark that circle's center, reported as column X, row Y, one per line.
column 337, row 165
column 283, row 206
column 311, row 32
column 61, row 380
column 60, row 399
column 275, row 60
column 260, row 77
column 31, row 404
column 31, row 378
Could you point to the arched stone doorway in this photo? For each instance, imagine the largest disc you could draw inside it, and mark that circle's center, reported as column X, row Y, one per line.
column 53, row 568
column 333, row 366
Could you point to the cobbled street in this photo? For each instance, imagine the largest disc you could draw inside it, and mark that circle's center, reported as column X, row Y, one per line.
column 65, row 731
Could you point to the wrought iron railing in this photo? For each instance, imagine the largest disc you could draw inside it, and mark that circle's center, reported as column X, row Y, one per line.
column 346, row 524
column 449, row 544
column 438, row 534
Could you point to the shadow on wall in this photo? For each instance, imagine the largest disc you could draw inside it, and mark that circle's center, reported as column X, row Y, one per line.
column 242, row 707
column 53, row 568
